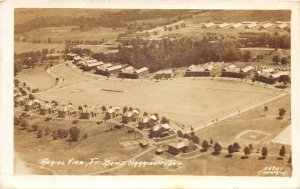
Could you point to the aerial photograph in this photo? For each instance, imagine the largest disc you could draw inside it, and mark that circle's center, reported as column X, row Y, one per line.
column 152, row 92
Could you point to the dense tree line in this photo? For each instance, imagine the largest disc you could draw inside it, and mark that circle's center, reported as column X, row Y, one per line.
column 267, row 40
column 169, row 53
column 112, row 19
column 31, row 58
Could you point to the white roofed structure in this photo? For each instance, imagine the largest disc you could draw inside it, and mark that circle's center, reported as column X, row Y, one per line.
column 208, row 25
column 237, row 25
column 247, row 69
column 104, row 66
column 223, row 25
column 112, row 68
column 282, row 26
column 267, row 25
column 141, row 70
column 95, row 64
column 129, row 69
column 252, row 25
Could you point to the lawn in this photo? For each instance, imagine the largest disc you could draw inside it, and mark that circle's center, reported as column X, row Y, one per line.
column 102, row 142
column 206, row 165
column 36, row 78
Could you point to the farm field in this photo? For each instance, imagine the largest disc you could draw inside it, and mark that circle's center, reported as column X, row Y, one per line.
column 64, row 33
column 98, row 48
column 101, row 143
column 27, row 47
column 240, row 16
column 36, row 78
column 197, row 100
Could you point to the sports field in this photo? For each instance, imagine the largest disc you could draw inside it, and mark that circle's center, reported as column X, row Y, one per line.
column 186, row 100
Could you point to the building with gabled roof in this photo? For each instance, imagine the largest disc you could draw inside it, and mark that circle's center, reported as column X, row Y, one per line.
column 166, row 74
column 181, row 147
column 270, row 78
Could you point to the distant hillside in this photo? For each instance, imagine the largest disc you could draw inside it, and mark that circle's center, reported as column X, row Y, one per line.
column 30, row 19
column 242, row 15
column 24, row 15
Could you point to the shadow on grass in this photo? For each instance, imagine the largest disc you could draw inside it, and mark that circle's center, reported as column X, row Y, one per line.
column 261, row 158
column 244, row 157
column 215, row 153
column 203, row 150
column 279, row 158
column 228, row 156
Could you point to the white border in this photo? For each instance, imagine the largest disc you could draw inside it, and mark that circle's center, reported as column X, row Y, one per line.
column 6, row 109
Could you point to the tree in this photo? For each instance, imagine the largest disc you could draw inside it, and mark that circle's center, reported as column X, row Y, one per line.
column 35, row 127
column 230, row 149
column 125, row 109
column 236, row 146
column 218, row 148
column 17, row 82
column 284, row 79
column 187, row 136
column 247, row 56
column 195, row 139
column 205, row 145
column 247, row 151
column 164, row 120
column 282, row 152
column 276, row 59
column 39, row 134
column 264, row 152
column 283, row 60
column 179, row 133
column 47, row 131
column 251, row 147
column 74, row 133
column 103, row 108
column 24, row 124
column 281, row 112
column 266, row 109
column 85, row 136
column 31, row 97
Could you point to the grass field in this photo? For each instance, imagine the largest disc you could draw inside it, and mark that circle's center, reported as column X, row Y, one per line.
column 71, row 76
column 196, row 100
column 64, row 33
column 101, row 143
column 27, row 47
column 253, row 136
column 36, row 78
column 206, row 164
